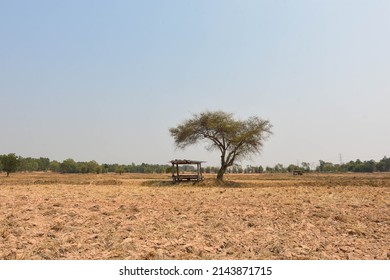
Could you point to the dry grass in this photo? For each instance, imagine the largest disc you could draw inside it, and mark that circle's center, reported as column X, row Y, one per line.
column 54, row 216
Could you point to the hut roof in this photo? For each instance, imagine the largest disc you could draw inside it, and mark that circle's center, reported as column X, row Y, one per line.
column 185, row 161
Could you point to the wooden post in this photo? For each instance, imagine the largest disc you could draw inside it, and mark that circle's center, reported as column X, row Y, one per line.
column 173, row 172
column 200, row 170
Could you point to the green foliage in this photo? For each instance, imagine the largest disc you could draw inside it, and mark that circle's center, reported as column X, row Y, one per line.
column 269, row 169
column 43, row 164
column 33, row 164
column 10, row 163
column 328, row 167
column 279, row 168
column 353, row 166
column 120, row 170
column 133, row 168
column 27, row 164
column 305, row 166
column 383, row 165
column 88, row 167
column 68, row 166
column 54, row 166
column 211, row 169
column 292, row 167
column 367, row 166
column 235, row 139
column 250, row 169
column 98, row 169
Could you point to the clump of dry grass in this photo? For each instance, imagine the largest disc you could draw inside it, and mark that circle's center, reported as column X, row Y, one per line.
column 108, row 182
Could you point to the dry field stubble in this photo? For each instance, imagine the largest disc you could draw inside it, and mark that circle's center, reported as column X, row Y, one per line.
column 137, row 216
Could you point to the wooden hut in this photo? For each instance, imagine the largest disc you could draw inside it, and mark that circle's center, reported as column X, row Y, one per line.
column 177, row 176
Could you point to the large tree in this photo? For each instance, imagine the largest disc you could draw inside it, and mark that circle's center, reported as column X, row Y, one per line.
column 235, row 139
column 10, row 163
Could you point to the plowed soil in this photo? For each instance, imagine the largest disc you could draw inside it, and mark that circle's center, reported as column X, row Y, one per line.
column 137, row 216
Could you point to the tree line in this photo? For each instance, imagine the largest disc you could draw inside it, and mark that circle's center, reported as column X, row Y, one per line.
column 367, row 166
column 11, row 163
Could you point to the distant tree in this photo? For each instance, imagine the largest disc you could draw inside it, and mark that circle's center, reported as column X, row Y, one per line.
column 279, row 168
column 292, row 167
column 105, row 167
column 259, row 169
column 250, row 169
column 93, row 167
column 54, row 166
column 306, row 166
column 326, row 167
column 367, row 166
column 320, row 167
column 98, row 169
column 235, row 139
column 43, row 164
column 68, row 166
column 383, row 165
column 349, row 166
column 234, row 168
column 82, row 167
column 370, row 166
column 269, row 169
column 22, row 164
column 27, row 164
column 120, row 170
column 10, row 163
column 169, row 169
column 253, row 169
column 112, row 167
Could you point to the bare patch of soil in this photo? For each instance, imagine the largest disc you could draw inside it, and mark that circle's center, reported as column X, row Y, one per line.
column 138, row 216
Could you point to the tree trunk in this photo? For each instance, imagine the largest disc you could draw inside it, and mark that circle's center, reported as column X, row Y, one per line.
column 221, row 172
column 7, row 173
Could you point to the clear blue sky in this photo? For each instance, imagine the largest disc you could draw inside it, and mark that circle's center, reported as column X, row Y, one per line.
column 105, row 80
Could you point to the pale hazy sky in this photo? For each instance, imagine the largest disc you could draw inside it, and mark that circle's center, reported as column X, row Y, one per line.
column 105, row 80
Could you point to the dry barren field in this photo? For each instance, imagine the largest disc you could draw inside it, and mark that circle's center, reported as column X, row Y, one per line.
column 137, row 216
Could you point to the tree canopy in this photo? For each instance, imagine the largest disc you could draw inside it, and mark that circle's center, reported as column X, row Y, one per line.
column 235, row 139
column 10, row 163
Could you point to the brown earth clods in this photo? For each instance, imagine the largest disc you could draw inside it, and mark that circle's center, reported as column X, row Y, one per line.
column 137, row 216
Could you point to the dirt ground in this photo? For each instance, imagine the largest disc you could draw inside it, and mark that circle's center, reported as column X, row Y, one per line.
column 138, row 216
